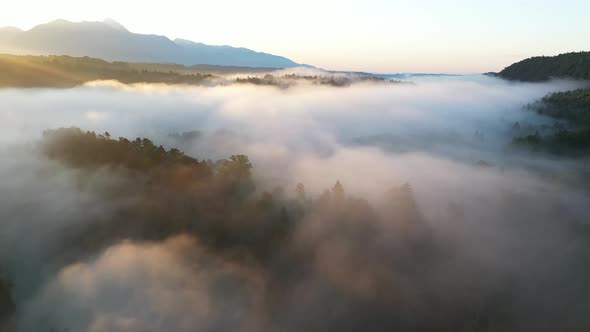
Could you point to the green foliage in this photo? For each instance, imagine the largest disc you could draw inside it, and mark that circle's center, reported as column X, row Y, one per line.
column 530, row 140
column 174, row 194
column 67, row 71
column 238, row 166
column 289, row 80
column 570, row 137
column 579, row 139
column 87, row 149
column 7, row 307
column 235, row 174
column 569, row 65
column 564, row 141
column 573, row 106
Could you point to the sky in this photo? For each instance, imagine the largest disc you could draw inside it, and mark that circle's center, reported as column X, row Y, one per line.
column 384, row 36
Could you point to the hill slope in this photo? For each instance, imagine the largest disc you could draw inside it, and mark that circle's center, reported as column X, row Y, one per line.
column 65, row 71
column 569, row 65
column 570, row 134
column 109, row 40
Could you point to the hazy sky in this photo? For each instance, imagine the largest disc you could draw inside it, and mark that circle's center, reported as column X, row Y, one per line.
column 458, row 36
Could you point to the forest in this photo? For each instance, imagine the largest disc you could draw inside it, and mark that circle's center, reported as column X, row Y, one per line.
column 573, row 106
column 388, row 207
column 382, row 264
column 288, row 80
column 7, row 306
column 570, row 134
column 313, row 166
column 66, row 72
column 575, row 65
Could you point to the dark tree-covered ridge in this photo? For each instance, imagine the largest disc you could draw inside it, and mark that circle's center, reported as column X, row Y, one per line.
column 572, row 106
column 570, row 134
column 7, row 306
column 575, row 65
column 173, row 193
column 285, row 81
column 67, row 72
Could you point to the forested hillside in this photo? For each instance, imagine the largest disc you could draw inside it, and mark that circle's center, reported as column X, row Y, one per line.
column 374, row 258
column 574, row 65
column 570, row 134
column 217, row 200
column 66, row 71
column 7, row 307
column 569, row 105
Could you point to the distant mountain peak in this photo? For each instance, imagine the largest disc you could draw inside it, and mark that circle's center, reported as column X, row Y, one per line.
column 10, row 29
column 111, row 41
column 114, row 24
column 181, row 41
column 59, row 21
column 107, row 23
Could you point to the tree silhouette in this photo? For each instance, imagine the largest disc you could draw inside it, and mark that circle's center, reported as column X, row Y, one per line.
column 300, row 191
column 338, row 191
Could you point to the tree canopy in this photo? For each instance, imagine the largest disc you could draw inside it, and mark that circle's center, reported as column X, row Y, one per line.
column 66, row 71
column 574, row 65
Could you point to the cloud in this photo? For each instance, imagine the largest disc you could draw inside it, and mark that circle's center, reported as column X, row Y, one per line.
column 174, row 285
column 479, row 231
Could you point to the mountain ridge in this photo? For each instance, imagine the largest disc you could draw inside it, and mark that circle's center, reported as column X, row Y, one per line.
column 573, row 65
column 111, row 41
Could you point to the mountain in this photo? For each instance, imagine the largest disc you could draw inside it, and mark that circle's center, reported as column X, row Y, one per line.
column 7, row 34
column 111, row 41
column 574, row 65
column 570, row 133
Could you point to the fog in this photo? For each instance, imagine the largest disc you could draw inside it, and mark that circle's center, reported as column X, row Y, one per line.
column 505, row 214
column 367, row 134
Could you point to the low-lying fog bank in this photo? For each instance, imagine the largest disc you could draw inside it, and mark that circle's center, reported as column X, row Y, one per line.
column 475, row 235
